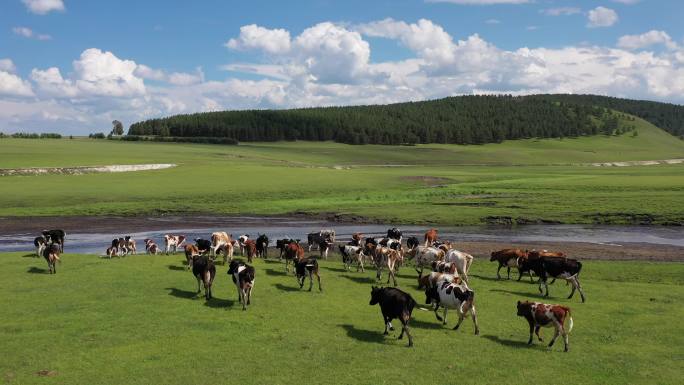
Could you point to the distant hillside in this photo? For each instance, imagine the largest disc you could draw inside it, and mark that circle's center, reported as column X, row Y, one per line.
column 459, row 120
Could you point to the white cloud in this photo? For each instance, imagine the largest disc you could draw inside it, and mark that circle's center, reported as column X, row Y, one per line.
column 7, row 65
column 601, row 17
column 13, row 85
column 28, row 33
column 272, row 41
column 42, row 7
column 480, row 2
column 561, row 11
column 329, row 64
column 646, row 39
column 493, row 21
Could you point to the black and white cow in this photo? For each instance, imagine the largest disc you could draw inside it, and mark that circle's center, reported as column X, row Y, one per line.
column 351, row 254
column 204, row 270
column 304, row 267
column 322, row 237
column 555, row 267
column 394, row 233
column 40, row 243
column 394, row 303
column 281, row 245
column 452, row 295
column 262, row 246
column 243, row 278
column 55, row 236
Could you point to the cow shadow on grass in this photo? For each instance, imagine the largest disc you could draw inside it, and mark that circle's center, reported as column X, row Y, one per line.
column 509, row 343
column 37, row 270
column 275, row 272
column 30, row 256
column 282, row 287
column 336, row 269
column 371, row 336
column 177, row 268
column 179, row 293
column 359, row 279
column 488, row 278
column 534, row 293
column 271, row 261
column 219, row 303
column 436, row 324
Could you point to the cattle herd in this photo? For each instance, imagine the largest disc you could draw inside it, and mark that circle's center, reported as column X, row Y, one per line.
column 446, row 285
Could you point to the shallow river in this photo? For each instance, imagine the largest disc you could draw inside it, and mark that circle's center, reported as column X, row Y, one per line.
column 275, row 228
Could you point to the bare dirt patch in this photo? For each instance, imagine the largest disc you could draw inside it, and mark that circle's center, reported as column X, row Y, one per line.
column 84, row 169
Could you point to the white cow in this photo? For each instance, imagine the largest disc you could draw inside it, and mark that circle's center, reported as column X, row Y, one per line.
column 462, row 261
column 424, row 256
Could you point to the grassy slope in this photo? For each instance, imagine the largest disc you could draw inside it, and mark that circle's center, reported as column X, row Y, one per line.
column 136, row 320
column 477, row 181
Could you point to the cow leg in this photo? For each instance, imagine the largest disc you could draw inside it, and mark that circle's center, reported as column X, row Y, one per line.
column 444, row 320
column 474, row 315
column 565, row 339
column 318, row 277
column 530, row 273
column 498, row 276
column 508, row 268
column 532, row 328
column 555, row 333
column 579, row 288
column 405, row 318
column 574, row 286
column 460, row 319
column 310, row 280
column 198, row 285
column 244, row 299
column 439, row 318
column 520, row 274
column 536, row 331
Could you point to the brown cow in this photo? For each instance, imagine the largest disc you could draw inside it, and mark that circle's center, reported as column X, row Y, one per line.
column 540, row 314
column 250, row 249
column 356, row 239
column 190, row 251
column 293, row 252
column 430, row 237
column 508, row 258
column 387, row 257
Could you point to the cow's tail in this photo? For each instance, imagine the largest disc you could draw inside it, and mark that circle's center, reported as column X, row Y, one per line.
column 410, row 305
column 569, row 320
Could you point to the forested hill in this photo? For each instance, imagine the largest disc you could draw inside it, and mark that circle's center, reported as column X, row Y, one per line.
column 461, row 120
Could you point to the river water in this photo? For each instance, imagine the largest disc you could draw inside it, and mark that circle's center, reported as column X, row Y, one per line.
column 275, row 228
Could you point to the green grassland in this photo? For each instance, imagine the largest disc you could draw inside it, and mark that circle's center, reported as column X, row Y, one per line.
column 425, row 184
column 137, row 320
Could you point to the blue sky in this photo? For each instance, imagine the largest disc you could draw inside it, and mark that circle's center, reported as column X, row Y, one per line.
column 72, row 66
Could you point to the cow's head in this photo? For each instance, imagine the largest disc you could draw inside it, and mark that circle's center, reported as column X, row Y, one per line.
column 431, row 294
column 375, row 295
column 524, row 308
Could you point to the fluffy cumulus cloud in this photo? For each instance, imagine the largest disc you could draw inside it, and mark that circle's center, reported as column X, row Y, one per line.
column 42, row 7
column 272, row 41
column 601, row 17
column 330, row 64
column 647, row 39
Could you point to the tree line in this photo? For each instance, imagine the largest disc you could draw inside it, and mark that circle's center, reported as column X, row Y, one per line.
column 458, row 120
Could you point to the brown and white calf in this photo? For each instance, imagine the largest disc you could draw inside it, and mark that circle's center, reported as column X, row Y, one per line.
column 432, row 279
column 540, row 315
column 424, row 256
column 221, row 240
column 190, row 252
column 173, row 242
column 51, row 255
column 130, row 245
column 387, row 257
column 241, row 242
column 293, row 252
column 250, row 249
column 151, row 247
column 508, row 258
column 112, row 251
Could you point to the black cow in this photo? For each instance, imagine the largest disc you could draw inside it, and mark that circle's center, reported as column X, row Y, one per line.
column 394, row 303
column 55, row 236
column 204, row 270
column 203, row 245
column 51, row 255
column 555, row 267
column 394, row 233
column 243, row 278
column 40, row 243
column 262, row 246
column 304, row 267
column 412, row 242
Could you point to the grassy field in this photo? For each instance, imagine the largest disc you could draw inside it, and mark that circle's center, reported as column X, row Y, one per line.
column 528, row 180
column 137, row 320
